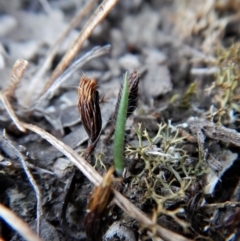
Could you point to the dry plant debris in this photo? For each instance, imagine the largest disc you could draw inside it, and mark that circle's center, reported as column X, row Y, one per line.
column 96, row 18
column 99, row 200
column 181, row 180
column 19, row 225
column 31, row 179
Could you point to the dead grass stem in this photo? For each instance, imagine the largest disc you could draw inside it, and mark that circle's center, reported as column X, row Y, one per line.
column 15, row 77
column 30, row 178
column 53, row 51
column 18, row 224
column 73, row 50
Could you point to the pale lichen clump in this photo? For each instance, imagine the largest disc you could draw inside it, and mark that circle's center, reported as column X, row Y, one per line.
column 168, row 172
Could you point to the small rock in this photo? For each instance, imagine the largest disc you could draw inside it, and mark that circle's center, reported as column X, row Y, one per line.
column 140, row 30
column 118, row 43
column 154, row 56
column 129, row 62
column 131, row 5
column 118, row 230
column 43, row 28
column 101, row 30
column 114, row 67
column 24, row 50
column 8, row 23
column 69, row 116
column 60, row 165
column 157, row 81
column 68, row 98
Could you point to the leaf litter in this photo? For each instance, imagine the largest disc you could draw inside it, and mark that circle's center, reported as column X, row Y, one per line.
column 182, row 176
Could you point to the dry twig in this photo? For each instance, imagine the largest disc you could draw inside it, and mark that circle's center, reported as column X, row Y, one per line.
column 11, row 112
column 94, row 53
column 47, row 62
column 18, row 224
column 202, row 127
column 15, row 77
column 30, row 178
column 96, row 18
column 17, row 72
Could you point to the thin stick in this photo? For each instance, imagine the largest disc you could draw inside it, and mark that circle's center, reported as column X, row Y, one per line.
column 18, row 224
column 15, row 77
column 45, row 65
column 73, row 50
column 74, row 157
column 30, row 178
column 94, row 53
column 11, row 112
column 17, row 72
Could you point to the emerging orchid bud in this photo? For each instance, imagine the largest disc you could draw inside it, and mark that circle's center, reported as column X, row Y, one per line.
column 88, row 106
column 133, row 82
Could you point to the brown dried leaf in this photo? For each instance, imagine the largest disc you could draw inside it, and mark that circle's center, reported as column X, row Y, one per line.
column 101, row 197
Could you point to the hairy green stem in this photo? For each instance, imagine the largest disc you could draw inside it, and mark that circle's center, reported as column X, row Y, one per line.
column 118, row 151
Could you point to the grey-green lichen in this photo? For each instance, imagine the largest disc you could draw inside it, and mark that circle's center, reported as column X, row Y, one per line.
column 168, row 171
column 225, row 90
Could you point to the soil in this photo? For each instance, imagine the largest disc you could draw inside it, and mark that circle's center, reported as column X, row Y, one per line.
column 180, row 49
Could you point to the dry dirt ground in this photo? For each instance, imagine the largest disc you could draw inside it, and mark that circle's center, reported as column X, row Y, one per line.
column 181, row 142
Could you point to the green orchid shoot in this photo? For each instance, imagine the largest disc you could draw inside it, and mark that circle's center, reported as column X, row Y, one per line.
column 118, row 151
